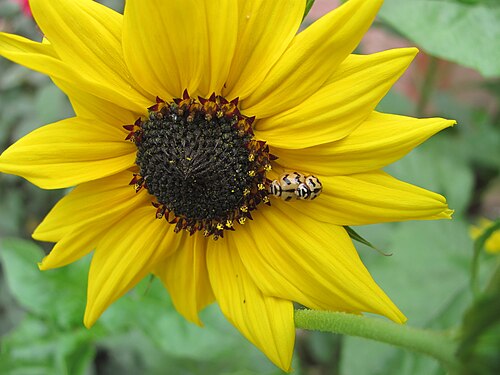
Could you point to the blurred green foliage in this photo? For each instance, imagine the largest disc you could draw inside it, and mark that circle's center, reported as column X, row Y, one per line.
column 466, row 32
column 427, row 275
column 141, row 333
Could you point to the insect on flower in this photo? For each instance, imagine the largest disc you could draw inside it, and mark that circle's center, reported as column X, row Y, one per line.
column 295, row 185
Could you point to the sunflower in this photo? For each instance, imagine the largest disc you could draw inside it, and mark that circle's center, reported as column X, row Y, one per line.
column 222, row 151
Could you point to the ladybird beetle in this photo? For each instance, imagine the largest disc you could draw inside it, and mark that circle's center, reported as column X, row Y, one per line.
column 289, row 183
column 303, row 191
column 295, row 185
column 314, row 186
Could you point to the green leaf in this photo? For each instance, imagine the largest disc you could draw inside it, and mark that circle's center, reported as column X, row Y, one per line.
column 57, row 295
column 144, row 323
column 480, row 336
column 309, row 4
column 36, row 348
column 439, row 165
column 357, row 237
column 476, row 130
column 467, row 34
column 11, row 210
column 426, row 278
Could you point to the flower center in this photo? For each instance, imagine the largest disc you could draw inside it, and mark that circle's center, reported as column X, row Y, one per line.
column 199, row 160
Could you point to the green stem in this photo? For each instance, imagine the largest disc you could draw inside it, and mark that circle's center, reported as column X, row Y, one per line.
column 427, row 87
column 431, row 343
column 478, row 247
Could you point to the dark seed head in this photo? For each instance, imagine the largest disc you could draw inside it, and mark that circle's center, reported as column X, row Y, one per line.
column 198, row 159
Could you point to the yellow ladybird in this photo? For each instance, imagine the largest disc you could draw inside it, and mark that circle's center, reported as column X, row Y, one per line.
column 295, row 185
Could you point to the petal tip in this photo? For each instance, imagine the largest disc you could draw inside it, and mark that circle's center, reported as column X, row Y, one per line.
column 195, row 319
column 92, row 312
column 47, row 264
column 408, row 54
column 448, row 213
column 413, row 51
column 288, row 369
column 401, row 318
column 403, row 51
column 89, row 319
column 41, row 266
column 441, row 124
column 393, row 313
column 36, row 234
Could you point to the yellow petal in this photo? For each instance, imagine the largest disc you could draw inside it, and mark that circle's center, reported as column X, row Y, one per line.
column 165, row 44
column 266, row 321
column 14, row 44
column 73, row 246
column 222, row 30
column 339, row 107
column 372, row 197
column 377, row 142
column 312, row 55
column 87, row 36
column 37, row 56
column 185, row 276
column 124, row 256
column 89, row 106
column 42, row 58
column 68, row 153
column 97, row 203
column 266, row 28
column 292, row 256
column 79, row 221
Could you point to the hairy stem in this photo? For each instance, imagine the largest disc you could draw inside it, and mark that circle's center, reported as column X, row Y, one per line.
column 430, row 343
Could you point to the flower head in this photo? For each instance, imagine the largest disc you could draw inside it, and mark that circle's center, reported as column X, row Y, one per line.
column 220, row 150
